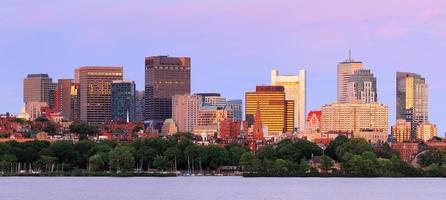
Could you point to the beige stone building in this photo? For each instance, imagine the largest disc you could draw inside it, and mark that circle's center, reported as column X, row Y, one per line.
column 426, row 131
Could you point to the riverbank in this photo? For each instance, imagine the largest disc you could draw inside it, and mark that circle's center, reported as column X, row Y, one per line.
column 90, row 174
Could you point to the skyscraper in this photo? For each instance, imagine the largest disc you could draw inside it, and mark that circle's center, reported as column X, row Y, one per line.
column 277, row 113
column 123, row 100
column 38, row 88
column 411, row 99
column 345, row 70
column 75, row 102
column 185, row 111
column 164, row 77
column 362, row 87
column 63, row 97
column 139, row 106
column 295, row 90
column 96, row 92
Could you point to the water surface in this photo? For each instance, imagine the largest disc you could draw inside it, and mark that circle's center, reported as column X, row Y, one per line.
column 208, row 188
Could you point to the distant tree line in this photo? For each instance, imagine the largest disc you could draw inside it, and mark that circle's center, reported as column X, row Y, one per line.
column 342, row 157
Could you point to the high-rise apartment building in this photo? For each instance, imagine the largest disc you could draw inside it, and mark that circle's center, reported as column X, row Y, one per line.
column 96, row 92
column 345, row 71
column 38, row 88
column 164, row 77
column 277, row 113
column 235, row 108
column 362, row 87
column 123, row 100
column 354, row 117
column 185, row 111
column 295, row 90
column 411, row 99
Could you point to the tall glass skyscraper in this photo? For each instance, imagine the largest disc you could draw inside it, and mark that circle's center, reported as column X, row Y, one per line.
column 123, row 101
column 411, row 99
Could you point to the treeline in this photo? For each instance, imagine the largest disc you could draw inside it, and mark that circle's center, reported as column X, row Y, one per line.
column 343, row 157
column 174, row 153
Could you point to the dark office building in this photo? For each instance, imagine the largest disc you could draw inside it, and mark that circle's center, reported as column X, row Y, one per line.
column 123, row 101
column 164, row 77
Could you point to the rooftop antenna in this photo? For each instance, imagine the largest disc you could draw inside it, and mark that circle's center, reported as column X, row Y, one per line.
column 350, row 54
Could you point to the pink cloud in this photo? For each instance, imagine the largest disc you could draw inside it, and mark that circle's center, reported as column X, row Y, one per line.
column 392, row 30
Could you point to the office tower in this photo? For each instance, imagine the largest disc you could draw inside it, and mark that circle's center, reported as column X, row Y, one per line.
column 164, row 77
column 345, row 70
column 123, row 101
column 63, row 97
column 38, row 88
column 362, row 87
column 35, row 109
column 96, row 92
column 185, row 111
column 354, row 117
column 75, row 102
column 402, row 130
column 426, row 131
column 411, row 99
column 277, row 113
column 235, row 108
column 139, row 106
column 295, row 90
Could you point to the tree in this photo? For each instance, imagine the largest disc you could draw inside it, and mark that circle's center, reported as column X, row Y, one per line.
column 281, row 165
column 145, row 156
column 46, row 163
column 303, row 166
column 173, row 154
column 213, row 156
column 433, row 170
column 96, row 163
column 326, row 163
column 64, row 151
column 121, row 158
column 331, row 148
column 431, row 156
column 288, row 151
column 83, row 129
column 308, row 149
column 266, row 152
column 161, row 163
column 355, row 146
column 246, row 160
column 235, row 154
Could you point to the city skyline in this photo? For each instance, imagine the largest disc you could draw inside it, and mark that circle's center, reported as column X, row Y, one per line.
column 388, row 51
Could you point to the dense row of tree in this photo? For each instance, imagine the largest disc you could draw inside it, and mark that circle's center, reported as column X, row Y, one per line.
column 354, row 157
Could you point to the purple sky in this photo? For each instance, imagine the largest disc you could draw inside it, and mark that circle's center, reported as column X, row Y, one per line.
column 233, row 43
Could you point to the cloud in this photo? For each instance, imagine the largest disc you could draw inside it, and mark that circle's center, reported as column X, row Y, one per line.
column 393, row 30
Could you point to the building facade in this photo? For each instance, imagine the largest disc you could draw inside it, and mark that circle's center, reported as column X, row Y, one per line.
column 123, row 100
column 354, row 117
column 139, row 106
column 235, row 107
column 314, row 121
column 96, row 92
column 75, row 102
column 402, row 130
column 38, row 88
column 426, row 131
column 411, row 99
column 63, row 97
column 362, row 87
column 277, row 113
column 185, row 111
column 345, row 71
column 164, row 77
column 295, row 90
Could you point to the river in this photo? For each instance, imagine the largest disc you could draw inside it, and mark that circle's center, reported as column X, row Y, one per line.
column 220, row 188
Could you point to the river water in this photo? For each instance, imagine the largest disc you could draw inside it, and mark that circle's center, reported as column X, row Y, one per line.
column 209, row 188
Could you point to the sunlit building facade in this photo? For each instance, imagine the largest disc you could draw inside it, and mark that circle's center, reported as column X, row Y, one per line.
column 96, row 92
column 185, row 111
column 295, row 87
column 426, row 131
column 402, row 130
column 362, row 87
column 277, row 113
column 346, row 70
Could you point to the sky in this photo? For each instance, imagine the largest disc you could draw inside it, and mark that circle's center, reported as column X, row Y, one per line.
column 233, row 43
